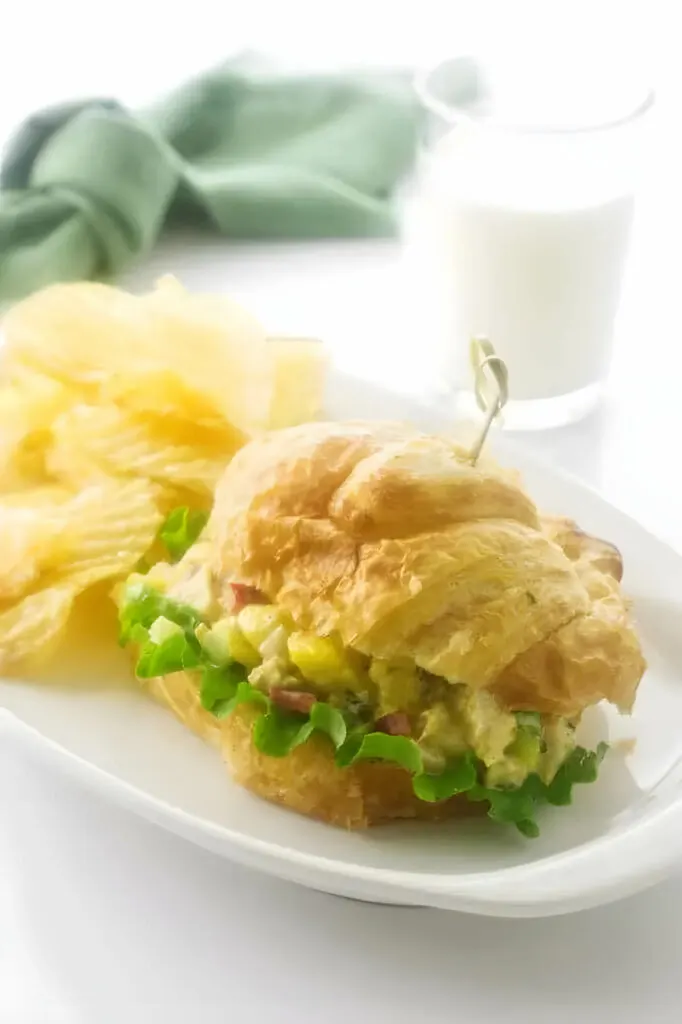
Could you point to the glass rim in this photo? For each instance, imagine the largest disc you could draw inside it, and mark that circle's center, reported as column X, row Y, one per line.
column 454, row 113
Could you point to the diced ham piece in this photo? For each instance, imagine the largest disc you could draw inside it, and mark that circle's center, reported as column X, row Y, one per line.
column 238, row 595
column 293, row 700
column 395, row 724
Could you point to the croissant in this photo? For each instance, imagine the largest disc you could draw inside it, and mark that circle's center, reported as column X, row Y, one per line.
column 427, row 592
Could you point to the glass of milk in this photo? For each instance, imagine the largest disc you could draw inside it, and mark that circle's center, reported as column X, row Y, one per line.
column 521, row 225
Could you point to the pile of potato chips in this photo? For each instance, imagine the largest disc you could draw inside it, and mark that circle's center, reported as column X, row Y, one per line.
column 115, row 408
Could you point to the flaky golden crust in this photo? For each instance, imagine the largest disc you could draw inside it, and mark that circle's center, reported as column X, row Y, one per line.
column 307, row 780
column 583, row 549
column 594, row 653
column 394, row 540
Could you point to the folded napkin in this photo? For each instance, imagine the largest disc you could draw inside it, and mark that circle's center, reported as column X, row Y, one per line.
column 86, row 188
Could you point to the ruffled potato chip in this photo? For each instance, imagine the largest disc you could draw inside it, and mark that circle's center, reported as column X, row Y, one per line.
column 98, row 333
column 35, row 497
column 111, row 440
column 78, row 333
column 114, row 409
column 33, row 626
column 108, row 528
column 28, row 404
column 162, row 393
column 30, row 543
column 61, row 549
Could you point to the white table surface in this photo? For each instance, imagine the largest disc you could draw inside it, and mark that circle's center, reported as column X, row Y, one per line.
column 106, row 919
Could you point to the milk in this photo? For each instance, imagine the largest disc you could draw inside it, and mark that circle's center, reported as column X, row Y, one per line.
column 523, row 238
column 542, row 284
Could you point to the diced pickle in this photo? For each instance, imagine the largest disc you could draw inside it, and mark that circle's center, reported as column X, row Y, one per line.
column 214, row 641
column 322, row 660
column 273, row 672
column 163, row 629
column 525, row 748
column 275, row 646
column 240, row 648
column 258, row 621
column 224, row 642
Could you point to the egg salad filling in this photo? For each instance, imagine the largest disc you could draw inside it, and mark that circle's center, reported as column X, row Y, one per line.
column 452, row 738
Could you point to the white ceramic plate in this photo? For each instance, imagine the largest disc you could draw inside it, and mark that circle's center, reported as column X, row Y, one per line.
column 621, row 835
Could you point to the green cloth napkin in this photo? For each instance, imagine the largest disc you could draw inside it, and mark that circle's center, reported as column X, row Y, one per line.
column 86, row 188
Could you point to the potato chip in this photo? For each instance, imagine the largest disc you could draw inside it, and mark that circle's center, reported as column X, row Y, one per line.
column 69, row 465
column 87, row 334
column 79, row 333
column 217, row 348
column 108, row 528
column 32, row 626
column 28, row 404
column 201, row 356
column 163, row 393
column 100, row 533
column 114, row 409
column 34, row 497
column 115, row 441
column 30, row 543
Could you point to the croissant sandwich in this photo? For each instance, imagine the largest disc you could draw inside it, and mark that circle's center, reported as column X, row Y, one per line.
column 369, row 628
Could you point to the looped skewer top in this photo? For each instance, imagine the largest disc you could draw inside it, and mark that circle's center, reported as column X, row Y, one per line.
column 491, row 387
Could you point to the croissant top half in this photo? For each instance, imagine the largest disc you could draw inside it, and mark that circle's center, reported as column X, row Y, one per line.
column 392, row 539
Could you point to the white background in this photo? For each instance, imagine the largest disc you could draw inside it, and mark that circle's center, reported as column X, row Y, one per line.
column 104, row 918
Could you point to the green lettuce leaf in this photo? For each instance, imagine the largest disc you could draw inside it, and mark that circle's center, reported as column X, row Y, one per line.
column 330, row 721
column 519, row 805
column 181, row 529
column 244, row 694
column 173, row 655
column 142, row 605
column 277, row 732
column 220, row 685
column 138, row 634
column 581, row 766
column 514, row 806
column 379, row 746
column 458, row 776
